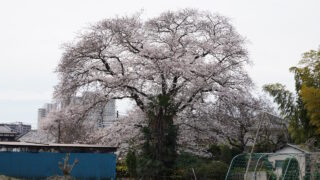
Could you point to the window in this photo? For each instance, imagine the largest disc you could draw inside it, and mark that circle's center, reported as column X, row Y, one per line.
column 279, row 163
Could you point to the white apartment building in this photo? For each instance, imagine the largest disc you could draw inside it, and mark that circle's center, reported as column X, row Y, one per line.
column 103, row 118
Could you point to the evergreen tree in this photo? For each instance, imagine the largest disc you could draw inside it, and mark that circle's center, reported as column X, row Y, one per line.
column 301, row 109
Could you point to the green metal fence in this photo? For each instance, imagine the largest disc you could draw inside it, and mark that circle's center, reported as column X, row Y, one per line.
column 274, row 166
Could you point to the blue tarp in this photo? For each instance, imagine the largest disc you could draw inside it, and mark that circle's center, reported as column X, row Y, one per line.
column 45, row 164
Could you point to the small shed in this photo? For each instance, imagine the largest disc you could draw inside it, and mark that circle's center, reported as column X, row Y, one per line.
column 39, row 161
column 289, row 151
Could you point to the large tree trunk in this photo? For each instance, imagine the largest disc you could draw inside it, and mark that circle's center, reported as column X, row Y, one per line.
column 163, row 140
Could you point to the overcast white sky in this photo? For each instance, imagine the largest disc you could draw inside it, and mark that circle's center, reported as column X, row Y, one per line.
column 32, row 32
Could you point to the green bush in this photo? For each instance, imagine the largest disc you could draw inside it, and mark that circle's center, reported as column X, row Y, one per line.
column 213, row 170
column 187, row 160
column 150, row 168
column 215, row 151
column 223, row 152
column 226, row 154
column 203, row 168
column 264, row 146
column 122, row 170
column 131, row 162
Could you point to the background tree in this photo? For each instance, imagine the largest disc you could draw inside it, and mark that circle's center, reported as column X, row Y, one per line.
column 292, row 109
column 297, row 109
column 125, row 133
column 236, row 117
column 226, row 119
column 230, row 120
column 309, row 71
column 75, row 121
column 167, row 65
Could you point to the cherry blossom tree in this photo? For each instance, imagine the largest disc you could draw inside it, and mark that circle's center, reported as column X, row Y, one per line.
column 226, row 120
column 124, row 133
column 75, row 121
column 168, row 65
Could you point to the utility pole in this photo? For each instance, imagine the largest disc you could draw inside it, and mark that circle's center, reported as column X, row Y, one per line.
column 254, row 143
column 59, row 130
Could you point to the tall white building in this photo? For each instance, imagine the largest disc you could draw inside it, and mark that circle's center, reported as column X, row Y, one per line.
column 41, row 115
column 109, row 113
column 102, row 117
column 44, row 111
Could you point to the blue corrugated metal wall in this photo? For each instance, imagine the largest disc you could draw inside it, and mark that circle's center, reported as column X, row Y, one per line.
column 45, row 164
